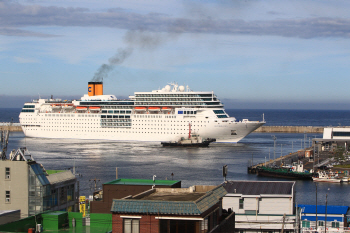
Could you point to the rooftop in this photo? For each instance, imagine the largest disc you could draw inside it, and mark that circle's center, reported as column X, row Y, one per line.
column 321, row 209
column 259, row 187
column 180, row 201
column 60, row 177
column 143, row 182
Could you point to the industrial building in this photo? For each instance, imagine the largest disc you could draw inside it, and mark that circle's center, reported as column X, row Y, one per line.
column 28, row 187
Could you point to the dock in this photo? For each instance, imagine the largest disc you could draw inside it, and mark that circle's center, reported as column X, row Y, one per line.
column 278, row 161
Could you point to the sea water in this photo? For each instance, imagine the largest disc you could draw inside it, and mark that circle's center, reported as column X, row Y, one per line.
column 193, row 166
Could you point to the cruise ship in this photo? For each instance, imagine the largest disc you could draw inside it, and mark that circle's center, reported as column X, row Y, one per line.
column 159, row 115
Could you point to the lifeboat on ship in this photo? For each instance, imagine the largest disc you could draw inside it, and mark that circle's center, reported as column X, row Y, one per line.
column 166, row 109
column 55, row 106
column 140, row 109
column 67, row 106
column 81, row 108
column 94, row 108
column 154, row 109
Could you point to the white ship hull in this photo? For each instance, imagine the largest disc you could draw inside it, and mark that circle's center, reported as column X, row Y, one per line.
column 43, row 119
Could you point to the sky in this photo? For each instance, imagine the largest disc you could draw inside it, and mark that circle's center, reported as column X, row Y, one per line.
column 267, row 54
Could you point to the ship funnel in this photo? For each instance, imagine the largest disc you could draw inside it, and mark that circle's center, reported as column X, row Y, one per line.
column 98, row 88
column 95, row 88
column 91, row 88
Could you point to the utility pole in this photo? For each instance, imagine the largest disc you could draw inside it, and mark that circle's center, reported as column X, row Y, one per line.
column 284, row 218
column 274, row 147
column 94, row 181
column 325, row 220
column 316, row 205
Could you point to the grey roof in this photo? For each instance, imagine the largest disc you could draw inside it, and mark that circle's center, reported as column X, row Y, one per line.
column 196, row 207
column 259, row 187
column 60, row 177
column 6, row 212
column 39, row 172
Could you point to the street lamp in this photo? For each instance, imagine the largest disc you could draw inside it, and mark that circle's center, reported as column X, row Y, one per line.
column 301, row 144
column 316, row 206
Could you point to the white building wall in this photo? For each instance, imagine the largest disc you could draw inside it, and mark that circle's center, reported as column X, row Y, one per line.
column 251, row 203
column 278, row 205
column 264, row 222
column 231, row 202
column 17, row 185
column 327, row 133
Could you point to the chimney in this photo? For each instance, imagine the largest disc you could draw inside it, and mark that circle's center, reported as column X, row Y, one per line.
column 98, row 88
column 91, row 88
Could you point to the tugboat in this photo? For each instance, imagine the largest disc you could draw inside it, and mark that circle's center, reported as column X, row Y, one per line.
column 193, row 140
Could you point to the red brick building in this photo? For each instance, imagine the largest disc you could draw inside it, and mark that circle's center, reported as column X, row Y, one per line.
column 121, row 188
column 183, row 210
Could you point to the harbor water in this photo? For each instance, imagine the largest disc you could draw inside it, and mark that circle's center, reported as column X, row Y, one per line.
column 193, row 166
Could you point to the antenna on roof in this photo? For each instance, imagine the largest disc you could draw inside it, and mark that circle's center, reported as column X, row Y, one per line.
column 224, row 172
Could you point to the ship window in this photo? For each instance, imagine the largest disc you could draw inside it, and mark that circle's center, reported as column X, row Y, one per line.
column 116, row 111
column 103, row 116
column 29, row 106
column 104, row 111
column 219, row 112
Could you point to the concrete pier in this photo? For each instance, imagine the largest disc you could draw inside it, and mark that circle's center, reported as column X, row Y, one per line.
column 14, row 127
column 289, row 129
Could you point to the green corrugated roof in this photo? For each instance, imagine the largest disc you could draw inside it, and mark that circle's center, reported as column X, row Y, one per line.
column 54, row 171
column 143, row 182
column 197, row 207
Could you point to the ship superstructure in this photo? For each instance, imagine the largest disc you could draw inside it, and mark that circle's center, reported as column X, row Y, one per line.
column 160, row 115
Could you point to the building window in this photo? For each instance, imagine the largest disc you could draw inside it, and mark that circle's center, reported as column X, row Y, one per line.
column 241, row 203
column 306, row 224
column 131, row 225
column 321, row 223
column 7, row 173
column 335, row 224
column 7, row 196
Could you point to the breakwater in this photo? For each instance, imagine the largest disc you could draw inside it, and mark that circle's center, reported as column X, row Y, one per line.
column 289, row 129
column 13, row 127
